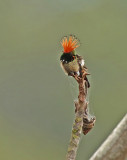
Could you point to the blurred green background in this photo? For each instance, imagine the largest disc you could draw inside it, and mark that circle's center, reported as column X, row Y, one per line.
column 36, row 98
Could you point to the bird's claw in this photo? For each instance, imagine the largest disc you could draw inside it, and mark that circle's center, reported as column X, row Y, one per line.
column 84, row 73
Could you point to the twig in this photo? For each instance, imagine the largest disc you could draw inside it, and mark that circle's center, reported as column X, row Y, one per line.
column 115, row 146
column 80, row 116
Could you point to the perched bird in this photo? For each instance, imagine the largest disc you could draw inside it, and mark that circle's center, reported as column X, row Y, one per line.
column 72, row 63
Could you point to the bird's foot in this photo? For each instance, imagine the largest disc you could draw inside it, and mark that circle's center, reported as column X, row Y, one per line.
column 85, row 73
column 74, row 74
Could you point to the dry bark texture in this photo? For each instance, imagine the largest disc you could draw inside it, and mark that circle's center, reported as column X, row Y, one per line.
column 82, row 121
column 115, row 146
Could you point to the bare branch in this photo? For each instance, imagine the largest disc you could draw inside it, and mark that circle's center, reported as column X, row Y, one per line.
column 82, row 121
column 115, row 146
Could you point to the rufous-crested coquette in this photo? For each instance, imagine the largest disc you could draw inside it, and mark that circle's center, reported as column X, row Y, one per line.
column 72, row 63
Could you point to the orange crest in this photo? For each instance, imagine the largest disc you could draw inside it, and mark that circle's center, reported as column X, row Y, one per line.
column 69, row 44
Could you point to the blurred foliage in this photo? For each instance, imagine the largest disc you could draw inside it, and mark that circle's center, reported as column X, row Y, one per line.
column 36, row 98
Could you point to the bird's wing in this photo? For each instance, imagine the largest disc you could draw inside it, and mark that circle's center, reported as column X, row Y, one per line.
column 81, row 62
column 82, row 65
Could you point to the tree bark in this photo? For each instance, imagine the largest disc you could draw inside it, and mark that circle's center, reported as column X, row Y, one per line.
column 82, row 121
column 115, row 146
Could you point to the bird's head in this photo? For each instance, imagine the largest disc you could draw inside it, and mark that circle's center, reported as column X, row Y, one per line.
column 69, row 43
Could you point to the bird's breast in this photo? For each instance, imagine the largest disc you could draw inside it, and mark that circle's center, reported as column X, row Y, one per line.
column 72, row 66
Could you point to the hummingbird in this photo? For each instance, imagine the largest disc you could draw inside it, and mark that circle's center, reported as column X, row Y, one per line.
column 72, row 63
